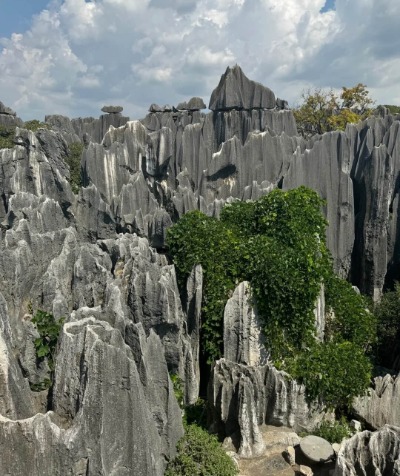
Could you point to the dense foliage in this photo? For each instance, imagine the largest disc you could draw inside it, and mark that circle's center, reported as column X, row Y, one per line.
column 323, row 111
column 200, row 454
column 278, row 244
column 74, row 162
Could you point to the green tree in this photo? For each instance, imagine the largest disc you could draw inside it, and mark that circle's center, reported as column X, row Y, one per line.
column 323, row 111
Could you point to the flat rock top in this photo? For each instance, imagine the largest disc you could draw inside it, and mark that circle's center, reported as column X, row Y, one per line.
column 316, row 449
column 112, row 109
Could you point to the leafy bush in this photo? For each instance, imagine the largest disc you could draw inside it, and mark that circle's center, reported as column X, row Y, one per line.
column 178, row 388
column 45, row 345
column 34, row 125
column 334, row 431
column 350, row 319
column 332, row 372
column 74, row 162
column 200, row 454
column 7, row 137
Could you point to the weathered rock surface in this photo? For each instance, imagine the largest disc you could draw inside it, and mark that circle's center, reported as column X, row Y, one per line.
column 381, row 405
column 370, row 454
column 244, row 397
column 112, row 109
column 235, row 90
column 244, row 342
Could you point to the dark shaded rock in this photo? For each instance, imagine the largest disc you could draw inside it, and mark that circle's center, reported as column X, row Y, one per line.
column 112, row 109
column 281, row 104
column 6, row 110
column 194, row 104
column 236, row 91
column 155, row 108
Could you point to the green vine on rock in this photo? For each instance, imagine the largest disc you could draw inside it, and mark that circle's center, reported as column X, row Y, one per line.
column 49, row 330
column 278, row 244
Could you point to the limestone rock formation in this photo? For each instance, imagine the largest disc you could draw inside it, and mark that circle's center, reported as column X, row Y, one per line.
column 245, row 397
column 370, row 453
column 236, row 91
column 112, row 109
column 97, row 258
column 243, row 339
column 381, row 405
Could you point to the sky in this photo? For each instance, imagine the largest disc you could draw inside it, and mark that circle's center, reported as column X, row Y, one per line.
column 71, row 57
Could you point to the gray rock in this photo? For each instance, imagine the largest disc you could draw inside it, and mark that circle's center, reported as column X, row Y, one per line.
column 6, row 110
column 242, row 398
column 194, row 104
column 281, row 104
column 155, row 108
column 370, row 453
column 236, row 91
column 244, row 342
column 316, row 449
column 112, row 109
column 381, row 405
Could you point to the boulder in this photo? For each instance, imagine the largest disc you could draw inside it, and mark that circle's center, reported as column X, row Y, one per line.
column 194, row 104
column 112, row 109
column 316, row 449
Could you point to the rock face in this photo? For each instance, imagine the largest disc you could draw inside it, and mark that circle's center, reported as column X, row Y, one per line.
column 246, row 391
column 245, row 397
column 381, row 405
column 236, row 91
column 243, row 339
column 370, row 454
column 8, row 117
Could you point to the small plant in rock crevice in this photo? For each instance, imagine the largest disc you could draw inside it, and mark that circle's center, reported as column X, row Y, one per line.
column 45, row 345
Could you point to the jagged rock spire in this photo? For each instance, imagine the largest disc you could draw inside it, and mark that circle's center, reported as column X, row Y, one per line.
column 236, row 91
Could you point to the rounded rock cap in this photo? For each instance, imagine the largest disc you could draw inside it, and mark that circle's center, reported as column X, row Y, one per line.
column 316, row 449
column 112, row 109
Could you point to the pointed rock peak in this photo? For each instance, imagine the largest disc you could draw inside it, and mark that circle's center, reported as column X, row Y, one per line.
column 6, row 110
column 236, row 91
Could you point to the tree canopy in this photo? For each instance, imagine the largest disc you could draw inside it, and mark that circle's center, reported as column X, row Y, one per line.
column 325, row 110
column 277, row 243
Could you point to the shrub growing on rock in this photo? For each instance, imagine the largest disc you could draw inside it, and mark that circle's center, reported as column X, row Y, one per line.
column 200, row 454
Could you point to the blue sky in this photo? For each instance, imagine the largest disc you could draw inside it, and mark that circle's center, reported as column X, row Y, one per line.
column 329, row 5
column 16, row 15
column 73, row 56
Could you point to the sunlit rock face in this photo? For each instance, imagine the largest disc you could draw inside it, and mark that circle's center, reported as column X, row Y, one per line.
column 370, row 453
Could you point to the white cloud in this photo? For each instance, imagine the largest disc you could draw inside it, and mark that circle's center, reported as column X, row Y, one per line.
column 80, row 54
